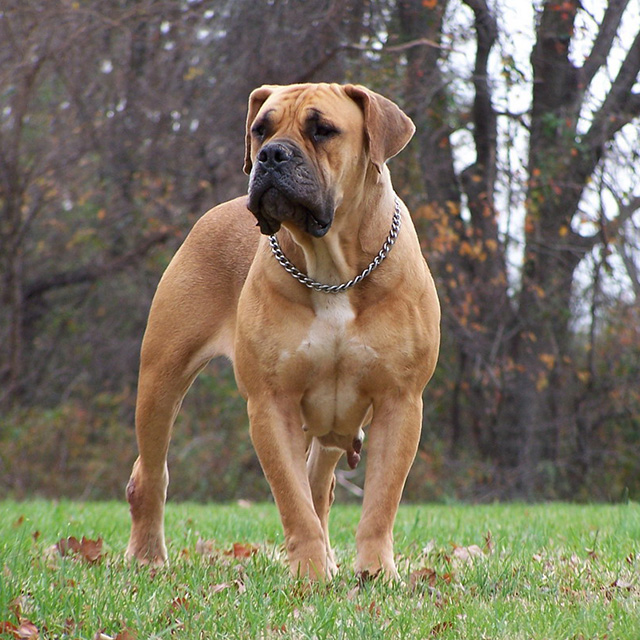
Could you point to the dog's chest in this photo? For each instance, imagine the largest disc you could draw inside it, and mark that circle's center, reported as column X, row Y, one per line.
column 333, row 360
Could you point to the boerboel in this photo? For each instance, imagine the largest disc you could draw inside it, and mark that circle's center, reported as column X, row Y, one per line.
column 327, row 310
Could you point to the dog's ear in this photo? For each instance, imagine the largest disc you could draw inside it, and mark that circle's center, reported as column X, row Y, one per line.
column 387, row 128
column 256, row 100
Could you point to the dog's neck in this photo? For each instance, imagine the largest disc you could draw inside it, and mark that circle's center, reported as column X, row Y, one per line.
column 354, row 239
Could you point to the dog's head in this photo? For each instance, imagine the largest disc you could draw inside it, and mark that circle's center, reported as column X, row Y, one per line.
column 308, row 144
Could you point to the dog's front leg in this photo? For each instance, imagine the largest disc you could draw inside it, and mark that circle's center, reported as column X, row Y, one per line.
column 392, row 444
column 281, row 444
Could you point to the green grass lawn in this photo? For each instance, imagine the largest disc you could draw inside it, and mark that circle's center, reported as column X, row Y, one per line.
column 476, row 572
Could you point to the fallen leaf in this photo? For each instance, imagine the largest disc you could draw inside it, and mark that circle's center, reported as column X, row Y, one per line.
column 422, row 575
column 89, row 550
column 8, row 627
column 373, row 609
column 18, row 605
column 27, row 631
column 180, row 603
column 67, row 545
column 205, row 547
column 467, row 554
column 242, row 550
column 429, row 547
column 217, row 588
column 439, row 628
column 282, row 629
column 620, row 583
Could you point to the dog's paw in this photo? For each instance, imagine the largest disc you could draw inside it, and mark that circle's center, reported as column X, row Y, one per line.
column 152, row 553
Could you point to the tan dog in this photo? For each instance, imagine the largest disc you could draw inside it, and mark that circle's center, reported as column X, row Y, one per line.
column 314, row 366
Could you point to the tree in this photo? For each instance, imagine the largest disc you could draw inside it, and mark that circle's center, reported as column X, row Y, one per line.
column 122, row 122
column 519, row 363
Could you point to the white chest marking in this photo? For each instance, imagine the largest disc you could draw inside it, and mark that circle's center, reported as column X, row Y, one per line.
column 336, row 358
column 334, row 316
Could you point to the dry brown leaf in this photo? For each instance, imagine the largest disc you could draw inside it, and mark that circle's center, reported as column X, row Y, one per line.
column 373, row 609
column 88, row 550
column 91, row 550
column 240, row 586
column 206, row 547
column 27, row 631
column 439, row 628
column 18, row 605
column 420, row 576
column 241, row 550
column 620, row 583
column 217, row 588
column 8, row 627
column 429, row 547
column 67, row 545
column 180, row 603
column 467, row 554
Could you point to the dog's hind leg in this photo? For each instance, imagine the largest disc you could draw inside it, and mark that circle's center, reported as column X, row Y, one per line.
column 160, row 395
column 166, row 373
column 321, row 464
column 183, row 334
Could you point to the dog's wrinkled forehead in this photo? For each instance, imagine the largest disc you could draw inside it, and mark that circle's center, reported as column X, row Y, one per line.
column 293, row 108
column 298, row 114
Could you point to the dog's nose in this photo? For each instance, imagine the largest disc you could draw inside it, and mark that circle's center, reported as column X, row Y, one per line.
column 274, row 154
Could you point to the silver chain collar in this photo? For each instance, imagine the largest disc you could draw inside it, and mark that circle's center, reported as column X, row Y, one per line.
column 338, row 288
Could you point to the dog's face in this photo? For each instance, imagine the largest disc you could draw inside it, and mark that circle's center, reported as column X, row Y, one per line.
column 308, row 144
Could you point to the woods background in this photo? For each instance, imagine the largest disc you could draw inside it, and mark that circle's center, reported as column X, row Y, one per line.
column 122, row 122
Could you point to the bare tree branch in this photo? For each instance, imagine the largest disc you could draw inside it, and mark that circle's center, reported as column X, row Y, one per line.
column 604, row 40
column 420, row 42
column 91, row 273
column 625, row 212
column 619, row 108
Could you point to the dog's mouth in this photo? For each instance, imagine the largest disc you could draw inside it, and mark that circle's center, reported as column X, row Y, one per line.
column 272, row 207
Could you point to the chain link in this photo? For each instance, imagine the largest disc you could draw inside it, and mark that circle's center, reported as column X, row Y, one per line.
column 338, row 288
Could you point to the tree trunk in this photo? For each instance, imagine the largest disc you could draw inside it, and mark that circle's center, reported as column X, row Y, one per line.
column 15, row 307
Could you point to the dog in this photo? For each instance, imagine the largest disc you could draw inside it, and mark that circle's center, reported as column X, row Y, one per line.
column 326, row 308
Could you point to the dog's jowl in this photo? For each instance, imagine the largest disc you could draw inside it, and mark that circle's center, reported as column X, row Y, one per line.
column 315, row 286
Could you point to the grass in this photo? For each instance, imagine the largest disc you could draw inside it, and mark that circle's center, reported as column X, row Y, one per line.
column 545, row 572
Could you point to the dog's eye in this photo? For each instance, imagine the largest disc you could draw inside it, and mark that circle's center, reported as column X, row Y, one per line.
column 322, row 132
column 259, row 130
